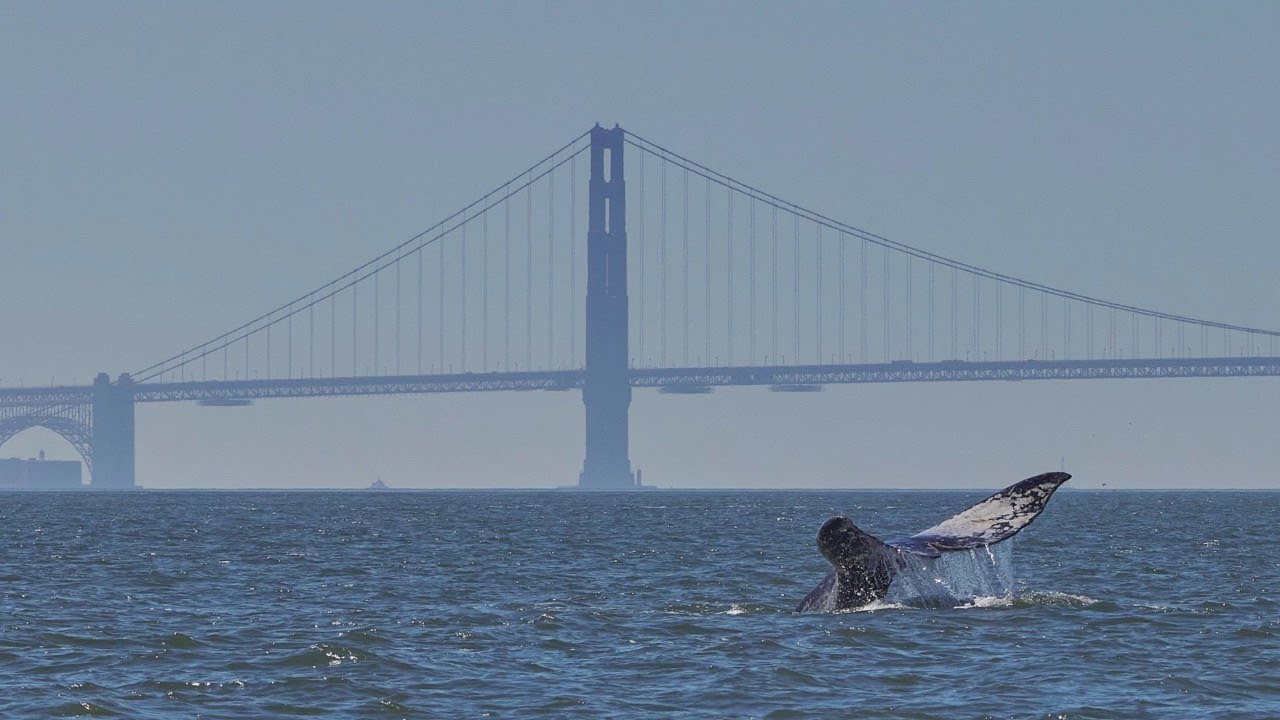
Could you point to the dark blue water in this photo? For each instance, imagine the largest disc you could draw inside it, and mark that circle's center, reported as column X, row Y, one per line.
column 520, row 604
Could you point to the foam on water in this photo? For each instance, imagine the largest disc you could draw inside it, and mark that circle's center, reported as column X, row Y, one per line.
column 987, row 601
column 1050, row 597
column 878, row 605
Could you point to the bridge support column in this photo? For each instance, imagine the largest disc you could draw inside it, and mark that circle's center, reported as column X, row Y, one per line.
column 606, row 388
column 113, row 448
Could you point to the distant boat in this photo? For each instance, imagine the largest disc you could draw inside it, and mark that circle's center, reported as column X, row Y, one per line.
column 378, row 485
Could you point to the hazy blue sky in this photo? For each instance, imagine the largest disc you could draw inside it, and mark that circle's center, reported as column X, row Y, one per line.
column 169, row 170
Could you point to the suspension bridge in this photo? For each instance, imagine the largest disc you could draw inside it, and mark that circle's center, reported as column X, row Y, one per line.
column 674, row 277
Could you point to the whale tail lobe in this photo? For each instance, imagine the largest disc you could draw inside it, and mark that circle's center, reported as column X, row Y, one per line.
column 996, row 518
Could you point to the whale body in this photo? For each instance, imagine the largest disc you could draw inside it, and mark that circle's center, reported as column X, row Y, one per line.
column 865, row 566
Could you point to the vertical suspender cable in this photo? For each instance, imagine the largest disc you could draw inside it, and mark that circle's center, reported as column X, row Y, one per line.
column 1022, row 324
column 795, row 283
column 573, row 262
column 1088, row 324
column 418, row 253
column 1066, row 329
column 640, row 262
column 955, row 355
column 907, row 259
column 684, row 234
column 887, row 355
column 773, row 286
column 999, row 320
column 462, row 294
column 1044, row 325
column 862, row 307
column 440, row 309
column 1134, row 351
column 528, row 278
column 706, row 266
column 662, row 265
column 397, row 317
column 484, row 292
column 817, row 294
column 506, row 282
column 729, row 275
column 932, row 267
column 840, row 243
column 1088, row 331
column 977, row 322
column 1112, row 333
column 551, row 268
column 751, row 280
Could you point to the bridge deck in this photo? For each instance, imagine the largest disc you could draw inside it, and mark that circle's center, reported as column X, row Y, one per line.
column 671, row 378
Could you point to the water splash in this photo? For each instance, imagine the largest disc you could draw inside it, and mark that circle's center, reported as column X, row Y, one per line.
column 956, row 578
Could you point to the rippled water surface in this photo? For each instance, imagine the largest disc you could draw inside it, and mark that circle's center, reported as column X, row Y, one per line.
column 520, row 604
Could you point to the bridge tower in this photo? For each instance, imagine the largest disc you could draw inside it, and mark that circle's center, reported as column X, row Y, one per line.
column 606, row 389
column 113, row 448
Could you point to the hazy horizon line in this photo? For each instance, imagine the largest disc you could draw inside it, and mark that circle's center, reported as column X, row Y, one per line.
column 593, row 491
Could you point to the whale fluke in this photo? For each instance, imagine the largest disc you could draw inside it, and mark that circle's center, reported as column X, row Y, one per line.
column 997, row 518
column 865, row 566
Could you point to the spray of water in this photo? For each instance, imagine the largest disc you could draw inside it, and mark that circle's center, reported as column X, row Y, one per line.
column 976, row 576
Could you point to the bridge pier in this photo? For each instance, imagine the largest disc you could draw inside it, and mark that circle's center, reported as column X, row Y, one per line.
column 606, row 389
column 113, row 446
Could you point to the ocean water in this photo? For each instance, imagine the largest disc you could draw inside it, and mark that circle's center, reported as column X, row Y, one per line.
column 555, row 604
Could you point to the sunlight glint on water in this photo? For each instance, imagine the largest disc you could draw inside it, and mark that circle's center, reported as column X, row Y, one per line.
column 542, row 604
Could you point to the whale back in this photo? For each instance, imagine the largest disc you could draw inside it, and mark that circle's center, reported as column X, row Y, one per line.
column 990, row 521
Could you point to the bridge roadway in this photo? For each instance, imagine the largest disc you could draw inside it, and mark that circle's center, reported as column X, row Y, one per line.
column 691, row 380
